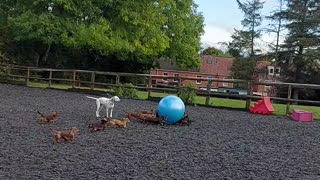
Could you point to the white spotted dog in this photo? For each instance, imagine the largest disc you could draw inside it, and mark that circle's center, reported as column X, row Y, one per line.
column 106, row 102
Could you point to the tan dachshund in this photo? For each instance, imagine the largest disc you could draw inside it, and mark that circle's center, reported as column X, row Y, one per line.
column 66, row 135
column 120, row 123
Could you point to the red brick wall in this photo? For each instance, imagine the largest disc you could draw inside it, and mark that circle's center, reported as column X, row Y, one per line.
column 191, row 74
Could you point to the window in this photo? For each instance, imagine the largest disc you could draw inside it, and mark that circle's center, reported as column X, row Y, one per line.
column 270, row 70
column 278, row 70
column 165, row 74
column 198, row 81
column 176, row 79
column 212, row 61
column 225, row 84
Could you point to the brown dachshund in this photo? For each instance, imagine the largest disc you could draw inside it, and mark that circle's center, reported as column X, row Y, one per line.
column 48, row 118
column 185, row 120
column 131, row 115
column 98, row 126
column 120, row 123
column 152, row 118
column 66, row 135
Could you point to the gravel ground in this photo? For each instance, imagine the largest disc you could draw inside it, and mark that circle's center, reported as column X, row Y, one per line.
column 219, row 144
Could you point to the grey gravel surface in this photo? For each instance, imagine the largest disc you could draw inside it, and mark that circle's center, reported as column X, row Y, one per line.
column 219, row 144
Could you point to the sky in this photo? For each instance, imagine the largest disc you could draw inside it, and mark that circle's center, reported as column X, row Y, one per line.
column 222, row 16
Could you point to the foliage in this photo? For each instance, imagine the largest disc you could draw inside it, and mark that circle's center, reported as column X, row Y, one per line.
column 187, row 93
column 303, row 41
column 215, row 52
column 252, row 19
column 138, row 31
column 240, row 44
column 277, row 26
column 243, row 68
column 184, row 27
column 125, row 90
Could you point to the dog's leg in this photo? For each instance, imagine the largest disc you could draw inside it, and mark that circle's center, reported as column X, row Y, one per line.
column 98, row 109
column 107, row 112
column 111, row 112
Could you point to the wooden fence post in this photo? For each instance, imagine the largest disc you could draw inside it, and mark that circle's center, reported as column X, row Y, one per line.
column 178, row 85
column 93, row 74
column 289, row 97
column 50, row 78
column 28, row 77
column 249, row 92
column 149, row 86
column 8, row 73
column 73, row 79
column 208, row 91
column 117, row 79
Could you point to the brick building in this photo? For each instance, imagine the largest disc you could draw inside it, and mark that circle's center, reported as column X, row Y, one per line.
column 265, row 71
column 211, row 67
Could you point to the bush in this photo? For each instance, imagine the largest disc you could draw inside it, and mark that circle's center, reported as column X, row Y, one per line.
column 125, row 90
column 187, row 93
column 4, row 60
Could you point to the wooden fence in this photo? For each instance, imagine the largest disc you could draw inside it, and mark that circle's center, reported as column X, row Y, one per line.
column 12, row 72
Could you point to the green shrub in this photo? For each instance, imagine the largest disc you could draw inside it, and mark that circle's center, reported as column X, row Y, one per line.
column 125, row 90
column 187, row 93
column 4, row 59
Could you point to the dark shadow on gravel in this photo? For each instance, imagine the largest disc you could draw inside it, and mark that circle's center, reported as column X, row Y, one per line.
column 219, row 144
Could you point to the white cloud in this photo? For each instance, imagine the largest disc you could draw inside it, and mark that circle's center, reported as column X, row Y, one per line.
column 217, row 30
column 214, row 35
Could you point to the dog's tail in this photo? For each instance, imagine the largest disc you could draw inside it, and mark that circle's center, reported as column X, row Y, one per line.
column 91, row 97
column 40, row 113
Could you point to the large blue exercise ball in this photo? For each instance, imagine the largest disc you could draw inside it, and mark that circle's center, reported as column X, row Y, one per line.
column 172, row 107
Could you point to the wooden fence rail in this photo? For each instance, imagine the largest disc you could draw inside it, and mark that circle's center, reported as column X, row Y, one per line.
column 148, row 86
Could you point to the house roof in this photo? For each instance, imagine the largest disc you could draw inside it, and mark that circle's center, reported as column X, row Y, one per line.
column 262, row 65
column 170, row 64
column 209, row 65
column 216, row 65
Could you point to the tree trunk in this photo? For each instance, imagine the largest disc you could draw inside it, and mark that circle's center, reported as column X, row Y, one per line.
column 298, row 75
column 46, row 54
column 37, row 60
column 41, row 58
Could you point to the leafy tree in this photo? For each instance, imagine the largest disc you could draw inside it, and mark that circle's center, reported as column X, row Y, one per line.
column 138, row 31
column 303, row 40
column 243, row 68
column 215, row 52
column 242, row 44
column 184, row 27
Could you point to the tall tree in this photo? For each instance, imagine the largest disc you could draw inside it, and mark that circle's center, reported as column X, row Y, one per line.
column 242, row 45
column 243, row 68
column 277, row 25
column 252, row 20
column 184, row 27
column 303, row 39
